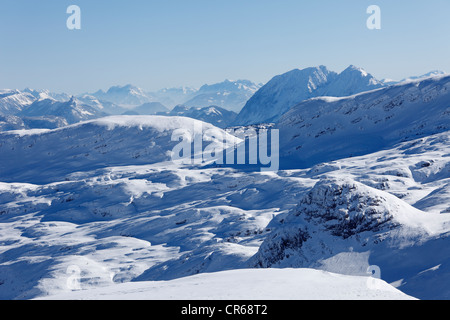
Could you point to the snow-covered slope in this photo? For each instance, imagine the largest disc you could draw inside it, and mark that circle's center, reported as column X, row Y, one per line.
column 11, row 122
column 229, row 95
column 351, row 81
column 346, row 227
column 324, row 129
column 44, row 122
column 281, row 93
column 46, row 155
column 249, row 285
column 113, row 224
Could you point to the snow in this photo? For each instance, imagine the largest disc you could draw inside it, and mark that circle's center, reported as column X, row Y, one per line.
column 364, row 186
column 126, row 140
column 13, row 101
column 125, row 96
column 229, row 95
column 150, row 222
column 285, row 91
column 249, row 285
column 325, row 129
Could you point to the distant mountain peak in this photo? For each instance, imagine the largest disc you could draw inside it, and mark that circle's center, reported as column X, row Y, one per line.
column 126, row 88
column 228, row 94
column 431, row 74
column 127, row 95
column 353, row 68
column 284, row 91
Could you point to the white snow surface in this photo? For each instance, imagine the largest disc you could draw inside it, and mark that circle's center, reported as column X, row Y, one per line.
column 248, row 285
column 102, row 197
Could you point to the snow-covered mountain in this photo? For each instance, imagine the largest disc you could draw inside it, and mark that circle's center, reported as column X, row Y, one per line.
column 324, row 129
column 215, row 115
column 230, row 95
column 14, row 107
column 351, row 81
column 283, row 92
column 98, row 207
column 13, row 101
column 47, row 94
column 124, row 96
column 430, row 74
column 38, row 109
column 101, row 105
column 171, row 97
column 71, row 111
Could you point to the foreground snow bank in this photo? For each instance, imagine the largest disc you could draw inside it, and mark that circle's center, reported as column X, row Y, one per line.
column 250, row 284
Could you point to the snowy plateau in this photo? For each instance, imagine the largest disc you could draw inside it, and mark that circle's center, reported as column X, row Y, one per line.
column 92, row 207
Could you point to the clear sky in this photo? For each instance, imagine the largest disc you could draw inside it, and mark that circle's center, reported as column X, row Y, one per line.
column 170, row 43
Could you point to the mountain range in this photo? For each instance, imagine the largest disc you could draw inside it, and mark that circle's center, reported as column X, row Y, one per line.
column 359, row 208
column 255, row 104
column 231, row 95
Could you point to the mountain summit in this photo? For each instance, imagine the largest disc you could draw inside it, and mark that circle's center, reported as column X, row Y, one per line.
column 230, row 95
column 287, row 90
column 128, row 95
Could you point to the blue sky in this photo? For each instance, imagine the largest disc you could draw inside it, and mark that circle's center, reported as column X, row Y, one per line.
column 170, row 43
